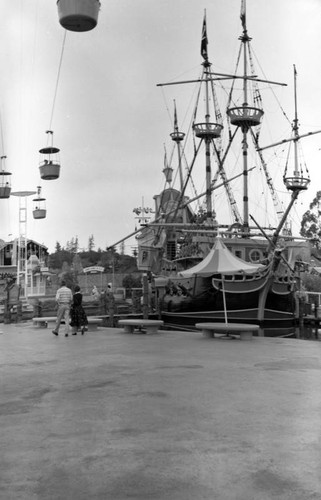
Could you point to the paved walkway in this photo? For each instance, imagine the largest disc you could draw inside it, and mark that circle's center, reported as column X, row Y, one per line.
column 173, row 416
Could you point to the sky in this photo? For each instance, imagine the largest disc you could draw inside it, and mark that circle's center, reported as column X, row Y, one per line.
column 109, row 118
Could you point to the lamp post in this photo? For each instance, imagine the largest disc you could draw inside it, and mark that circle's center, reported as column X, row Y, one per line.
column 22, row 242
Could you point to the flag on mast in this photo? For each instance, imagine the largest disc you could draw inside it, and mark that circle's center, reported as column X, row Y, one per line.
column 243, row 14
column 165, row 157
column 175, row 117
column 204, row 40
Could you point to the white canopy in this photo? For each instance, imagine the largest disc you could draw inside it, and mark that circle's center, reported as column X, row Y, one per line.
column 221, row 261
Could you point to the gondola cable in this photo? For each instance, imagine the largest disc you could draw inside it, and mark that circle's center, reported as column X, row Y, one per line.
column 49, row 165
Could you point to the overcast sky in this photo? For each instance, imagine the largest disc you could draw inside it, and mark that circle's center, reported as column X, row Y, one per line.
column 110, row 120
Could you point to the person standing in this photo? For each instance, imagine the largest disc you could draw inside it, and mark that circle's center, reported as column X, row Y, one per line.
column 77, row 313
column 95, row 293
column 63, row 299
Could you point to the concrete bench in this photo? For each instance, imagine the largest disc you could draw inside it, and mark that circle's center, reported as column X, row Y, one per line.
column 244, row 330
column 149, row 325
column 44, row 322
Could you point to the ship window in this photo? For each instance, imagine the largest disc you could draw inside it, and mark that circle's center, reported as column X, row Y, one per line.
column 255, row 255
column 171, row 250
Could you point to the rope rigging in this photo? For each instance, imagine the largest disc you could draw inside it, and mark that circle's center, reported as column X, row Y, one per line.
column 221, row 172
column 276, row 201
column 271, row 88
column 58, row 77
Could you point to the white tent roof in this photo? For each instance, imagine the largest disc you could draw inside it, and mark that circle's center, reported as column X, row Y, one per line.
column 221, row 261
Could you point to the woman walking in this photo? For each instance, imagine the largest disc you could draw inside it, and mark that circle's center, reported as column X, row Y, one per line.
column 77, row 313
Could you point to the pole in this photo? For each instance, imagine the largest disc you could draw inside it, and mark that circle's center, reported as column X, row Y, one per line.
column 224, row 299
column 208, row 167
column 245, row 129
column 145, row 296
column 113, row 290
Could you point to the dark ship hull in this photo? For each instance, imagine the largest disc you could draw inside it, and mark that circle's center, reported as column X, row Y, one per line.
column 187, row 302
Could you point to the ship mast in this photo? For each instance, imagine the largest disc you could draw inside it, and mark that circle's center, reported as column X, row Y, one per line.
column 178, row 137
column 296, row 172
column 208, row 139
column 245, row 117
column 207, row 131
column 299, row 181
column 245, row 39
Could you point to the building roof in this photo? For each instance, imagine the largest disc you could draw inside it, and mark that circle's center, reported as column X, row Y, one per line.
column 3, row 243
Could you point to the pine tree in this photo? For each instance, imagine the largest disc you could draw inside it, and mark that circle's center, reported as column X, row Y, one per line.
column 77, row 264
column 91, row 243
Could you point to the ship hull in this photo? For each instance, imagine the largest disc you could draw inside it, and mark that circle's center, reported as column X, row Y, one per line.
column 187, row 320
column 185, row 310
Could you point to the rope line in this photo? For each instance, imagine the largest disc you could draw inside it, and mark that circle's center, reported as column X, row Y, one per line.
column 58, row 76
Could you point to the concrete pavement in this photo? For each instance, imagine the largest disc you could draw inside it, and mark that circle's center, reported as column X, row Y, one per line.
column 175, row 416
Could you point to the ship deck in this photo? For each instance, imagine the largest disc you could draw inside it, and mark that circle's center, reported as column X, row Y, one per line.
column 176, row 416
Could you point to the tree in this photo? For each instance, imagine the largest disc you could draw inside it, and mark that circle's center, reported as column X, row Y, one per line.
column 77, row 265
column 91, row 243
column 127, row 264
column 311, row 282
column 72, row 245
column 57, row 259
column 70, row 279
column 89, row 258
column 109, row 259
column 130, row 282
column 311, row 221
column 65, row 268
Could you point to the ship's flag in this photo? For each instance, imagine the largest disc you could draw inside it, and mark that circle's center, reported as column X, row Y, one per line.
column 243, row 14
column 165, row 157
column 175, row 117
column 204, row 40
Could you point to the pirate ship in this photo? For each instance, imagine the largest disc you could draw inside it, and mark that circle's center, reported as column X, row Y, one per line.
column 202, row 267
